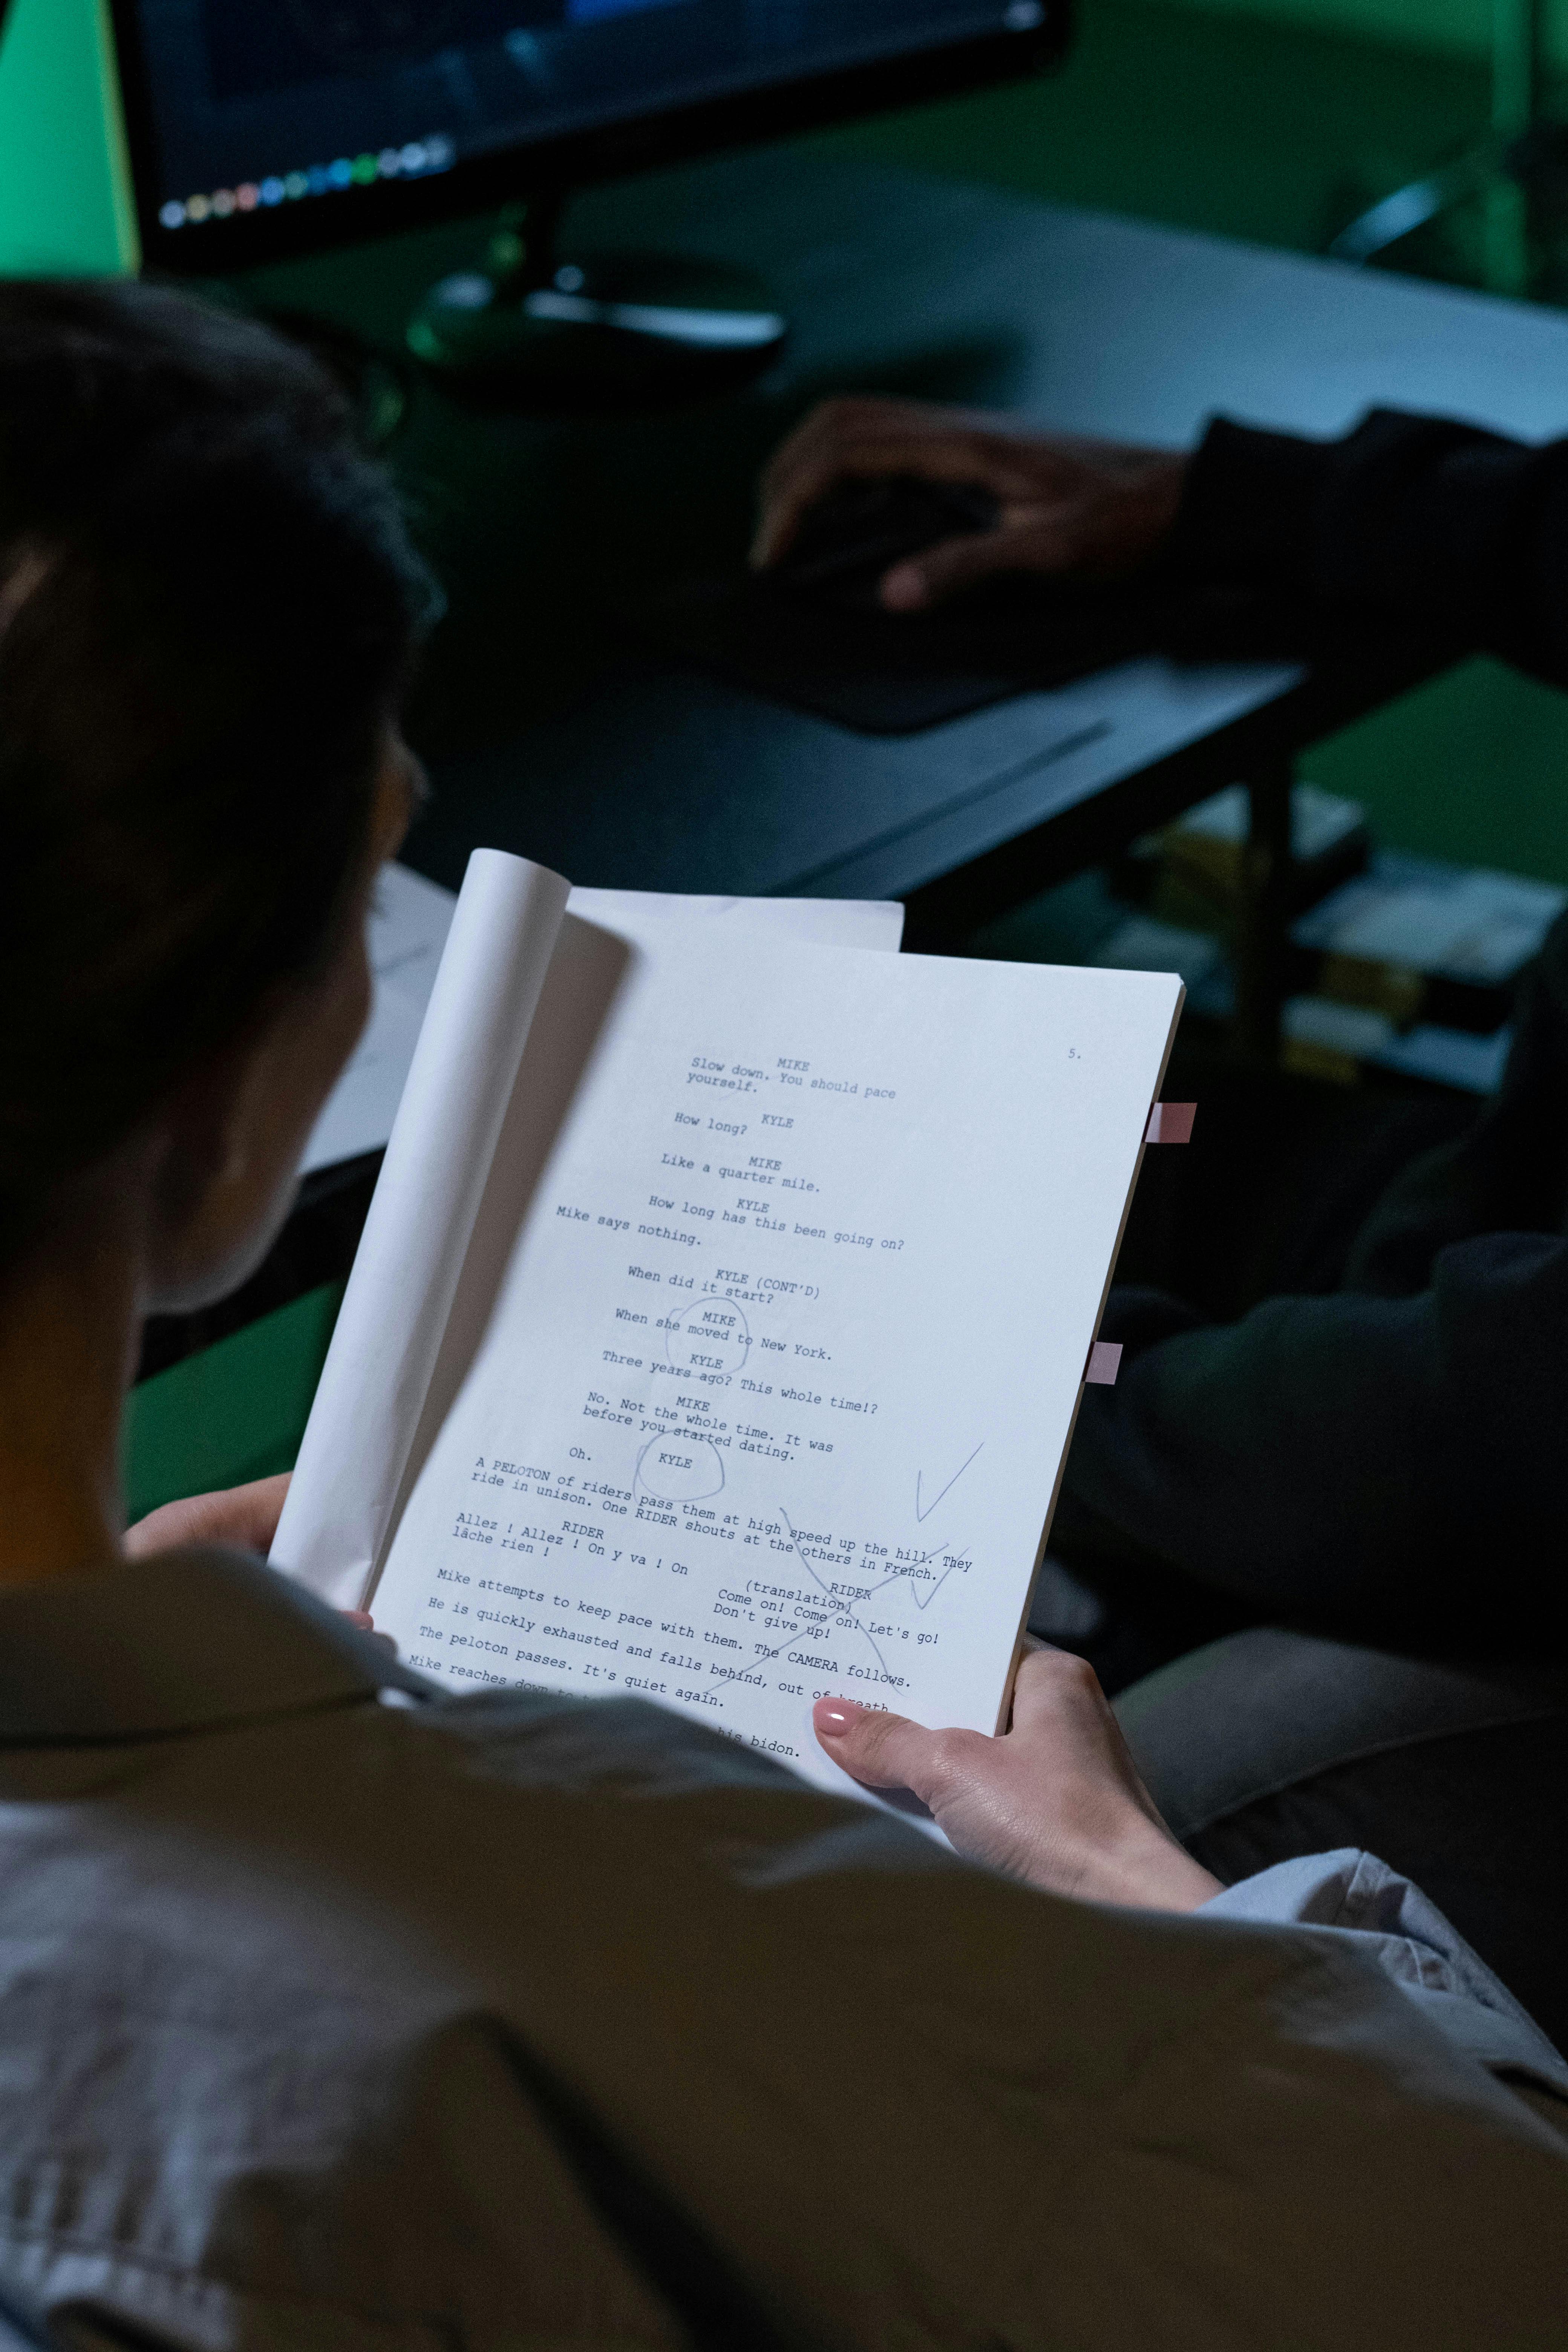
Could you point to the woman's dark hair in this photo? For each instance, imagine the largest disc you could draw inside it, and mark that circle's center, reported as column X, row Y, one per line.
column 208, row 608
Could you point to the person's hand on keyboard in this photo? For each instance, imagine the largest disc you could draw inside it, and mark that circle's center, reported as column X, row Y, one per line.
column 1094, row 511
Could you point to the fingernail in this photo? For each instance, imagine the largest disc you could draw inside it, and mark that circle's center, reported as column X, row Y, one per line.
column 834, row 1717
column 904, row 589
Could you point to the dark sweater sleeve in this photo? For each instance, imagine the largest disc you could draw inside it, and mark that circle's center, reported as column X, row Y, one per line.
column 1414, row 518
column 1375, row 1464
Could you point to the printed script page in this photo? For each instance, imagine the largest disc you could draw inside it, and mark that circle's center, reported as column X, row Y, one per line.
column 790, row 1263
column 460, row 1031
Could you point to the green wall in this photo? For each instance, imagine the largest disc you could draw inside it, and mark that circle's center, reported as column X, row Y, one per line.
column 1206, row 120
column 235, row 1411
column 63, row 199
column 1454, row 27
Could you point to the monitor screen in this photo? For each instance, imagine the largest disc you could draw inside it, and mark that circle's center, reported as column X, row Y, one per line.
column 263, row 127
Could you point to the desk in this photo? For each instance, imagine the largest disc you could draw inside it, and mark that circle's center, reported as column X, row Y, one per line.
column 548, row 732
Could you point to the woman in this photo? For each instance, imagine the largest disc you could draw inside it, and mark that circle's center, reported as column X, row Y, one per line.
column 335, row 2009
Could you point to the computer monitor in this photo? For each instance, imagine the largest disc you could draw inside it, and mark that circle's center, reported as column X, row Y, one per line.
column 260, row 128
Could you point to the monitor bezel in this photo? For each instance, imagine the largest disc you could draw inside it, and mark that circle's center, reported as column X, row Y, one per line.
column 574, row 159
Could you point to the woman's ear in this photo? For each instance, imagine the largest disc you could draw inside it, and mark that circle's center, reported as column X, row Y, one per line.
column 203, row 1235
column 235, row 1130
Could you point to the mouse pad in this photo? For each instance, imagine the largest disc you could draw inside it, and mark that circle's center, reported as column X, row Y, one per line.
column 889, row 673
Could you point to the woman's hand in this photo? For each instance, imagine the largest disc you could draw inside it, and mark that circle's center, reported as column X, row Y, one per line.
column 1096, row 510
column 244, row 1517
column 1056, row 1799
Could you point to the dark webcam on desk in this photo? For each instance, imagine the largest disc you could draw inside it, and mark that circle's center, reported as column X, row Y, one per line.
column 259, row 128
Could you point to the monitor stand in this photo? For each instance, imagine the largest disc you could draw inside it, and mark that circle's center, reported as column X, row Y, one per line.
column 533, row 330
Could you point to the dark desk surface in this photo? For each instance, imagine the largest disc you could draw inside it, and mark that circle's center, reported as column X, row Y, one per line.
column 549, row 732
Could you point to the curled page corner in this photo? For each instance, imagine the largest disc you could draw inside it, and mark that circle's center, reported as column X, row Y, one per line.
column 341, row 1504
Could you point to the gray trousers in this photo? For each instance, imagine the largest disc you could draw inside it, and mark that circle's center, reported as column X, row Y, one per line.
column 1271, row 1743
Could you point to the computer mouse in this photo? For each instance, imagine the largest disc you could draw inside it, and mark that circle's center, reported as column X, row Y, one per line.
column 850, row 538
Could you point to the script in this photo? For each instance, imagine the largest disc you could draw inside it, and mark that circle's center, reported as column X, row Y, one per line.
column 724, row 1332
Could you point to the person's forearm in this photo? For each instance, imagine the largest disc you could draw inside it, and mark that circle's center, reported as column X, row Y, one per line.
column 1417, row 519
column 1349, row 1458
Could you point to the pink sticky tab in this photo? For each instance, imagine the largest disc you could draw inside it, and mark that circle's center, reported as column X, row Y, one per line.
column 1170, row 1123
column 1104, row 1363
